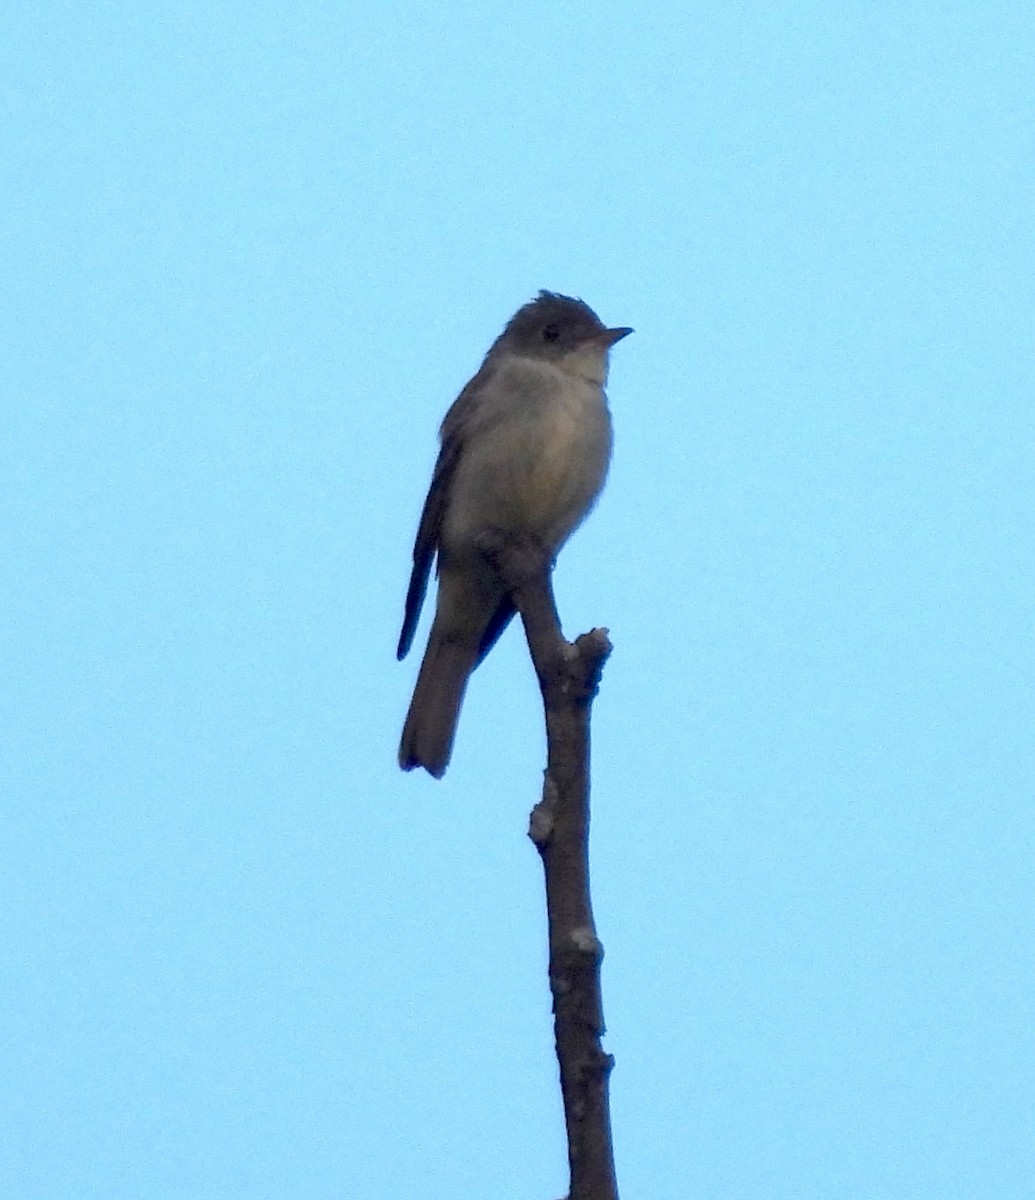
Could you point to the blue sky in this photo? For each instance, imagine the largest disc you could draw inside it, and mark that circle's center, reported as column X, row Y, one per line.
column 251, row 254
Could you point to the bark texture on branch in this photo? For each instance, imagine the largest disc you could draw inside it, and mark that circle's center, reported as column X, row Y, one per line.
column 569, row 675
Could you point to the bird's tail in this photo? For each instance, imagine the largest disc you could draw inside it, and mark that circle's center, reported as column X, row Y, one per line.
column 427, row 737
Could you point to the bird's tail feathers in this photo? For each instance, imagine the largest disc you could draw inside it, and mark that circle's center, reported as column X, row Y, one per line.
column 427, row 737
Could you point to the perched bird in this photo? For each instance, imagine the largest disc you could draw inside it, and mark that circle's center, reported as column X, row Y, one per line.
column 524, row 450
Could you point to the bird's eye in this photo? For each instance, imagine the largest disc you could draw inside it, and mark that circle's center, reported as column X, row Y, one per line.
column 551, row 333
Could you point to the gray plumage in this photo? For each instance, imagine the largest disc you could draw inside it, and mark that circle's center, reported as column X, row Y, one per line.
column 524, row 449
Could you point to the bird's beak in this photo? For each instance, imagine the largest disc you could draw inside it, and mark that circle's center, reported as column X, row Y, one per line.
column 609, row 336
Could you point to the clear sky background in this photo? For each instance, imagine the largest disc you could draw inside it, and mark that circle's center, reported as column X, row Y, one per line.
column 250, row 254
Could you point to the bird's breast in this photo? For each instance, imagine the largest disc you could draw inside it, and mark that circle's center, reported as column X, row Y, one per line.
column 540, row 465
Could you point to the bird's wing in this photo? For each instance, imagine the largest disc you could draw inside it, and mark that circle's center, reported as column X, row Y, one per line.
column 454, row 431
column 499, row 621
column 426, row 543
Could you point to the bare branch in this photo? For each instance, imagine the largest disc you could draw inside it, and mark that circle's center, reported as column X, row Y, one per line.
column 569, row 675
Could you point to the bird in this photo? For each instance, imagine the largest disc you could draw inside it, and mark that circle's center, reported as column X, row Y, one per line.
column 524, row 451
